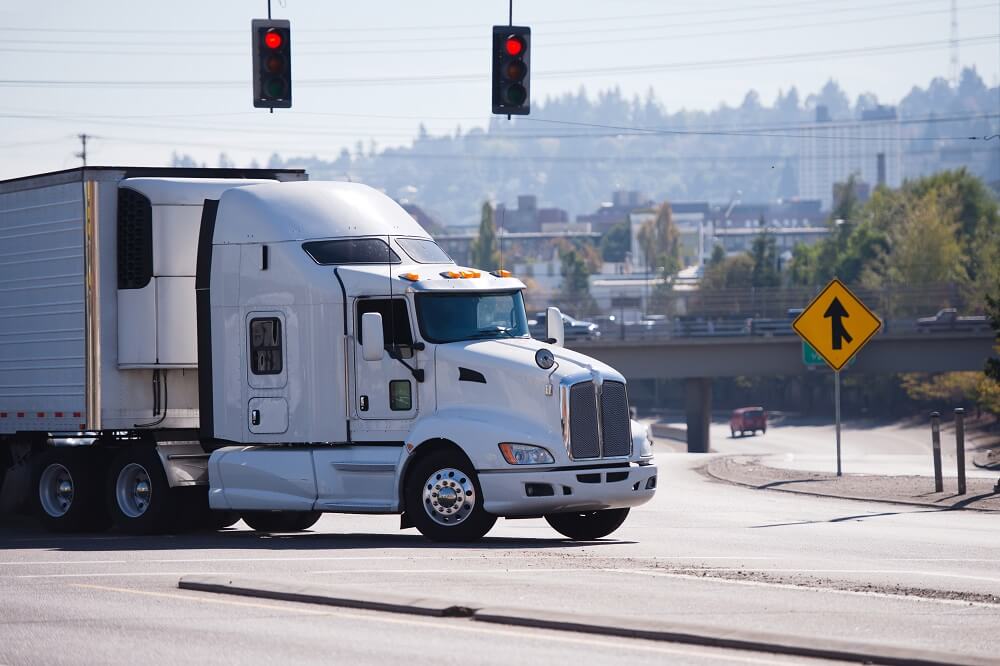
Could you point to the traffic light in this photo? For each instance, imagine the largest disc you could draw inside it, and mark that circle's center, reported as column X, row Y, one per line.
column 272, row 63
column 511, row 80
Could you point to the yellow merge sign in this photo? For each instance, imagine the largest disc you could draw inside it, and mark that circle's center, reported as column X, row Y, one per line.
column 837, row 324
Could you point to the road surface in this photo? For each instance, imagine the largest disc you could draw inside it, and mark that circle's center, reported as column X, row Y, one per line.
column 702, row 554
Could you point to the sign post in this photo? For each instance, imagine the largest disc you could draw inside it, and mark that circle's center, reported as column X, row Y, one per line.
column 836, row 325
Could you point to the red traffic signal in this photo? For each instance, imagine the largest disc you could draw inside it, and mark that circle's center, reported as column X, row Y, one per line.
column 272, row 63
column 514, row 45
column 272, row 39
column 511, row 62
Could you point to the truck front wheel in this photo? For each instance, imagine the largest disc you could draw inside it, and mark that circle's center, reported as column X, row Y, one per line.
column 69, row 491
column 444, row 500
column 587, row 525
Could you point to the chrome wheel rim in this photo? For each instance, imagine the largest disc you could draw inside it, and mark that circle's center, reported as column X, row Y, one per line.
column 449, row 496
column 55, row 490
column 133, row 490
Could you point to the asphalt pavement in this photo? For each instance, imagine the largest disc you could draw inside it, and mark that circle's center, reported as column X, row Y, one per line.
column 703, row 554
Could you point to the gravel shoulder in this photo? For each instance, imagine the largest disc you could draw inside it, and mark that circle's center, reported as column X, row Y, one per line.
column 916, row 490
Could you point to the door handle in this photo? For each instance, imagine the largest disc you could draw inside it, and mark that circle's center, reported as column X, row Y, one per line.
column 255, row 417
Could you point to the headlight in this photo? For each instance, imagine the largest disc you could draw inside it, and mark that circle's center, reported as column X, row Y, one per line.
column 642, row 434
column 525, row 454
column 646, row 451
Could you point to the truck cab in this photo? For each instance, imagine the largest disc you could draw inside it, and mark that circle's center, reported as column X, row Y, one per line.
column 354, row 367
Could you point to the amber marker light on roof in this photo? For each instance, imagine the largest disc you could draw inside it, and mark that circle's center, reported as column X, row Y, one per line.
column 412, row 277
column 451, row 275
column 501, row 273
column 471, row 274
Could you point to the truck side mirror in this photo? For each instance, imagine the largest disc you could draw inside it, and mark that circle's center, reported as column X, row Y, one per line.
column 554, row 329
column 372, row 341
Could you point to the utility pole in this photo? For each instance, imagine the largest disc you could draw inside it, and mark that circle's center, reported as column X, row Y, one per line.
column 954, row 68
column 83, row 151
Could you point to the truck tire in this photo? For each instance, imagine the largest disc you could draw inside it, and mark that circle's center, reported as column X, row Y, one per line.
column 444, row 499
column 139, row 498
column 587, row 525
column 68, row 491
column 281, row 521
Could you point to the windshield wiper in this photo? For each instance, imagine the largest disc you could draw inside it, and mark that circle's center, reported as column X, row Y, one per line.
column 499, row 330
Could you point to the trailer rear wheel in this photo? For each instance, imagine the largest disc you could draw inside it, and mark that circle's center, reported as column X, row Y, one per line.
column 139, row 497
column 69, row 491
column 587, row 525
column 281, row 521
column 444, row 499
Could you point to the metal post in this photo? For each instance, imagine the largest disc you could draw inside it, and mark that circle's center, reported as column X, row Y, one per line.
column 936, row 443
column 836, row 400
column 960, row 448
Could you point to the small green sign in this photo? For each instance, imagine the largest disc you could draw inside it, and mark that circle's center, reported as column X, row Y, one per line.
column 812, row 359
column 809, row 355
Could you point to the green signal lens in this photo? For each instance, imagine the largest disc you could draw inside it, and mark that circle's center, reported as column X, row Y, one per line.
column 515, row 94
column 275, row 88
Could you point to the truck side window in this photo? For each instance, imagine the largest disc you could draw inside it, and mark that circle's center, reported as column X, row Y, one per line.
column 395, row 323
column 265, row 346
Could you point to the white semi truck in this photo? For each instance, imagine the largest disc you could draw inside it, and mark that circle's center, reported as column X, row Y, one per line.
column 181, row 346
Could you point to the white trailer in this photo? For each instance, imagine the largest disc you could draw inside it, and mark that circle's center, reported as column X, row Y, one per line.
column 192, row 346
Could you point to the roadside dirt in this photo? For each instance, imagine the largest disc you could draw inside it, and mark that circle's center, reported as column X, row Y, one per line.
column 917, row 490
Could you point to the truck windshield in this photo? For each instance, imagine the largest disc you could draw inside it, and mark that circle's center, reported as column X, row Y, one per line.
column 471, row 316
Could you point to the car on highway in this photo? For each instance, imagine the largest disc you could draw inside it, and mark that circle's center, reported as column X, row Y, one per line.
column 574, row 329
column 748, row 420
column 948, row 319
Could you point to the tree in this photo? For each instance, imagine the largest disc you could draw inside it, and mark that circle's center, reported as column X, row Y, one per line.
column 926, row 250
column 729, row 273
column 764, row 253
column 575, row 285
column 660, row 243
column 484, row 248
column 993, row 312
column 616, row 243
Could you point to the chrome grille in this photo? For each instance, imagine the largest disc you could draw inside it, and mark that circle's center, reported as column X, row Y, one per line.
column 615, row 420
column 602, row 432
column 584, row 437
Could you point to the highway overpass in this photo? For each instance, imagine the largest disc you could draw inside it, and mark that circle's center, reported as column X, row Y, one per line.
column 698, row 360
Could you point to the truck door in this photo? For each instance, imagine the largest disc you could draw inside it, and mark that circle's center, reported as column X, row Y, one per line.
column 385, row 389
column 267, row 373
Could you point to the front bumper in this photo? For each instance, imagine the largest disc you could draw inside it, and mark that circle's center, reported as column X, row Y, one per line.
column 538, row 492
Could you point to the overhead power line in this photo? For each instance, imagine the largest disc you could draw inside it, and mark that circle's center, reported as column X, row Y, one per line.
column 756, row 9
column 808, row 56
column 305, row 50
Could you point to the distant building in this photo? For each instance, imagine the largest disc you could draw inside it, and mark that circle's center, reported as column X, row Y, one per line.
column 832, row 151
column 616, row 211
column 740, row 239
column 524, row 247
column 528, row 217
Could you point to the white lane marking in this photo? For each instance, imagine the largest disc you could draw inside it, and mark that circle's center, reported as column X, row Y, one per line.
column 461, row 624
column 805, row 588
column 457, row 573
column 126, row 573
column 513, row 556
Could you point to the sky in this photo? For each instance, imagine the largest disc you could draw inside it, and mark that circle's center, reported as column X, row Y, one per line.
column 147, row 78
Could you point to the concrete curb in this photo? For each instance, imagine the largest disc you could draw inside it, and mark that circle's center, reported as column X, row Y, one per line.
column 326, row 596
column 714, row 473
column 600, row 625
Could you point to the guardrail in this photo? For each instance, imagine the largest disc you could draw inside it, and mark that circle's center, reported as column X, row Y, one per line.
column 723, row 327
